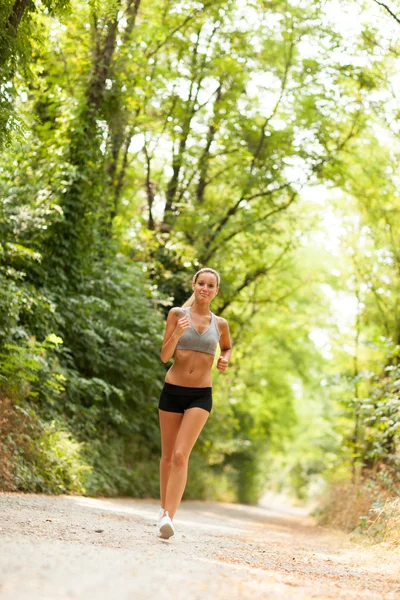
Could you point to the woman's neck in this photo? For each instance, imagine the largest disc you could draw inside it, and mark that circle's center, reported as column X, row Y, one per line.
column 201, row 309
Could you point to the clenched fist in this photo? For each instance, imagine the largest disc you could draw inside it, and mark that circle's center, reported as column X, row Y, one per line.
column 181, row 325
column 222, row 364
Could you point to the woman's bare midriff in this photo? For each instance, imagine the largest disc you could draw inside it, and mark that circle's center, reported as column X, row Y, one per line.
column 191, row 369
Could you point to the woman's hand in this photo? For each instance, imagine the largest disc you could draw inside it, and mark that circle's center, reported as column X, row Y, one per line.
column 182, row 324
column 222, row 364
column 177, row 323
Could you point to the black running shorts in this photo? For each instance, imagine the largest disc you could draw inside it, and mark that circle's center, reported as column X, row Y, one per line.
column 177, row 398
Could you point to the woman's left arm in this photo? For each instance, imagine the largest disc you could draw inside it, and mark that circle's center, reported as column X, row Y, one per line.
column 225, row 345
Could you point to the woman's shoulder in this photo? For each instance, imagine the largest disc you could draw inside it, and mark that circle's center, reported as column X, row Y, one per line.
column 221, row 322
column 220, row 319
column 177, row 311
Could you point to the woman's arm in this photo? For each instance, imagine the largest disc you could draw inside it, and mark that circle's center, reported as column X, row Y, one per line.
column 225, row 345
column 174, row 329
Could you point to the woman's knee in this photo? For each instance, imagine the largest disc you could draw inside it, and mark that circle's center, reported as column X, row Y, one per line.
column 166, row 460
column 180, row 458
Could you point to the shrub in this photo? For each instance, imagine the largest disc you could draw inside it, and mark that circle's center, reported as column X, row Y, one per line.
column 383, row 523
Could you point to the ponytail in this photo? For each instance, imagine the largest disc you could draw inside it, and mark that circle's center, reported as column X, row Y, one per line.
column 189, row 301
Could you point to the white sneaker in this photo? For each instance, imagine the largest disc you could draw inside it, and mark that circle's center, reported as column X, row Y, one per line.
column 160, row 516
column 166, row 527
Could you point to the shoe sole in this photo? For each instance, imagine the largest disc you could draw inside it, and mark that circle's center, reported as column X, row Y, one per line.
column 166, row 531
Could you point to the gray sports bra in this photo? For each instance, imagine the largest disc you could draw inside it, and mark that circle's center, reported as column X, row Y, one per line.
column 199, row 342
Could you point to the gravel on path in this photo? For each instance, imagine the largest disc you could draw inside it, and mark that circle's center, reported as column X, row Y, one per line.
column 79, row 548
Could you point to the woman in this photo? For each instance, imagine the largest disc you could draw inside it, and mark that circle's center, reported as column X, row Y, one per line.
column 191, row 336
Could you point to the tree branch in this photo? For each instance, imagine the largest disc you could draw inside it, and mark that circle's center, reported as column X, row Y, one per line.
column 205, row 157
column 177, row 160
column 233, row 210
column 288, row 64
column 131, row 12
column 102, row 63
column 385, row 6
column 179, row 27
column 253, row 276
column 149, row 189
column 11, row 28
column 205, row 258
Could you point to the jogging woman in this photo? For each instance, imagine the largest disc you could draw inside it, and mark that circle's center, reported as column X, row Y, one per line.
column 192, row 334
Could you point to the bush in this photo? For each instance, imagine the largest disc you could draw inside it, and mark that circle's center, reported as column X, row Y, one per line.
column 383, row 523
column 344, row 505
column 38, row 456
column 8, row 423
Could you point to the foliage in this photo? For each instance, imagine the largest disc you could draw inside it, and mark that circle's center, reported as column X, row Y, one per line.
column 38, row 455
column 344, row 505
column 382, row 522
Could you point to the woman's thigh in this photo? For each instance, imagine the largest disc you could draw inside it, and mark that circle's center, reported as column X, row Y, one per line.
column 170, row 423
column 193, row 422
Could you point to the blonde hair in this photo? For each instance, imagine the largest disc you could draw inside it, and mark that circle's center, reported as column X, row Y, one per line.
column 190, row 301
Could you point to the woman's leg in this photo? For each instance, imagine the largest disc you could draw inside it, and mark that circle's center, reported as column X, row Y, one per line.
column 169, row 427
column 193, row 422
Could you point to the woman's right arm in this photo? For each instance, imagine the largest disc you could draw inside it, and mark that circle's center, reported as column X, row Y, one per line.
column 174, row 329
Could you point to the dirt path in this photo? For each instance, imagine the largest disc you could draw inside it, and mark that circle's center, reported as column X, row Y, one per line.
column 83, row 548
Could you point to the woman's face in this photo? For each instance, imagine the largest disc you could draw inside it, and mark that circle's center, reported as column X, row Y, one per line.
column 205, row 287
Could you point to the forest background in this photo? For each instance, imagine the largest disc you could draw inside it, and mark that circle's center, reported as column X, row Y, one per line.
column 143, row 140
